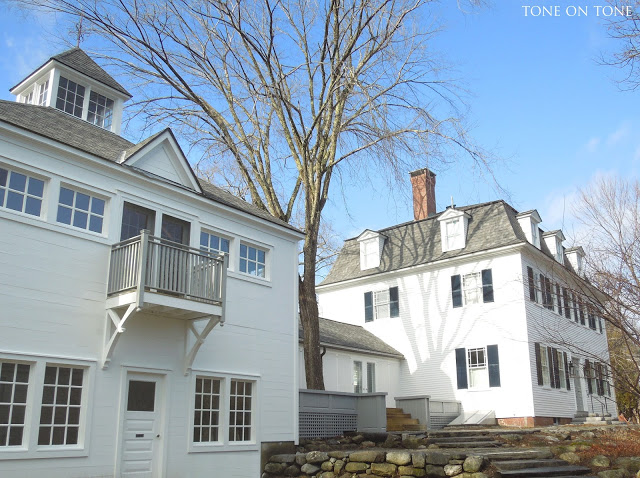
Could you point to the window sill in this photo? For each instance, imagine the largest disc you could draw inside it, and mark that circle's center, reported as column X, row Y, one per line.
column 21, row 453
column 222, row 447
column 249, row 278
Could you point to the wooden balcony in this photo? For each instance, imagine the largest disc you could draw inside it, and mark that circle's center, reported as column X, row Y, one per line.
column 166, row 278
column 155, row 276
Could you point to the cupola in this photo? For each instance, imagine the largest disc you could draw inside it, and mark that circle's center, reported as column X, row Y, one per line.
column 72, row 82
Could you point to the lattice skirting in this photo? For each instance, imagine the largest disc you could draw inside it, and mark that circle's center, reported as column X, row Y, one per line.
column 324, row 425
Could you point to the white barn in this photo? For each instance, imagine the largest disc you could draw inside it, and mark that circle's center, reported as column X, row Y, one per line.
column 486, row 308
column 166, row 353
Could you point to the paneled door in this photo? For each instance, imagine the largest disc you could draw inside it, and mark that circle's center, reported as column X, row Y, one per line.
column 141, row 429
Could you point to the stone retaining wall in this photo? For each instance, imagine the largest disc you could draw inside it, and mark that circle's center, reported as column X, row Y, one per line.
column 365, row 463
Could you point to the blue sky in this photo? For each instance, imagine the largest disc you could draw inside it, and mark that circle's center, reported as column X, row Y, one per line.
column 537, row 96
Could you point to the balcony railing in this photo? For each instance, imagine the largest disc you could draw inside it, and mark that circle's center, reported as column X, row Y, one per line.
column 149, row 264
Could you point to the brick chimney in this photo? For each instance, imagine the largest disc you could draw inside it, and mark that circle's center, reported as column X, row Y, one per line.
column 423, row 183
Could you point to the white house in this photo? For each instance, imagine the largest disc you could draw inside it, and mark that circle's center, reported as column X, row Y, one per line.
column 169, row 352
column 486, row 308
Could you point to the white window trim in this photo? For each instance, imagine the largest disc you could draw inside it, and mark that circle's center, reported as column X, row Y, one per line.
column 479, row 288
column 79, row 189
column 267, row 260
column 224, row 444
column 485, row 368
column 31, row 449
column 10, row 166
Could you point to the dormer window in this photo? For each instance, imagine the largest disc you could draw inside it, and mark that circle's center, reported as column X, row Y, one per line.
column 535, row 234
column 371, row 244
column 530, row 222
column 553, row 240
column 100, row 110
column 70, row 97
column 454, row 234
column 453, row 229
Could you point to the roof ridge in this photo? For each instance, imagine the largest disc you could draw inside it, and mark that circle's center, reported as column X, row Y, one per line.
column 435, row 216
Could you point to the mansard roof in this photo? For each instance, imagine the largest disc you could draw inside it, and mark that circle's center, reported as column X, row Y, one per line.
column 491, row 225
column 83, row 136
column 352, row 337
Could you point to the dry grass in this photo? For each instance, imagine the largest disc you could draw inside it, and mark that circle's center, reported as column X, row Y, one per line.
column 614, row 443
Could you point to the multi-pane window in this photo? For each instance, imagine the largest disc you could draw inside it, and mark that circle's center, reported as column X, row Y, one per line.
column 43, row 89
column 477, row 361
column 61, row 406
column 70, row 97
column 14, row 381
column 371, row 377
column 206, row 418
column 544, row 361
column 472, row 288
column 240, row 410
column 20, row 192
column 214, row 244
column 100, row 110
column 561, row 369
column 381, row 304
column 80, row 210
column 454, row 234
column 252, row 260
column 357, row 376
column 30, row 96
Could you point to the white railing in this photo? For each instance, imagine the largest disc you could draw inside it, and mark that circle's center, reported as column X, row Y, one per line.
column 166, row 267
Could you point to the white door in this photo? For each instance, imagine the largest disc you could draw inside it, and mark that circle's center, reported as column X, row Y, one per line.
column 141, row 430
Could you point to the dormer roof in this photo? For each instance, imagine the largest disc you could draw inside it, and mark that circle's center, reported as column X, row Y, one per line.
column 452, row 212
column 369, row 234
column 533, row 213
column 558, row 233
column 79, row 61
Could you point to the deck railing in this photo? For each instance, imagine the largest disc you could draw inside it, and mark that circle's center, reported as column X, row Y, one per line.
column 166, row 267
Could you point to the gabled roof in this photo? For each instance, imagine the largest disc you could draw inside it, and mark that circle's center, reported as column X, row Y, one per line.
column 83, row 136
column 78, row 60
column 491, row 225
column 352, row 337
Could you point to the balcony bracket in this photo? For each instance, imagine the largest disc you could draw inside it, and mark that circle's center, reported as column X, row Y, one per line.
column 114, row 329
column 195, row 338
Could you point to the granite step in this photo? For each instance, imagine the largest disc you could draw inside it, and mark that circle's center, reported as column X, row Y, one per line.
column 460, row 438
column 508, row 465
column 497, row 456
column 555, row 471
column 469, row 444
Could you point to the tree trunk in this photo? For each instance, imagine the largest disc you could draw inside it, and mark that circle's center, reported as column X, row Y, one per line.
column 309, row 315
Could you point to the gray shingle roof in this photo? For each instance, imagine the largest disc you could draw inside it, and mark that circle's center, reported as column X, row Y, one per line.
column 352, row 337
column 82, row 63
column 491, row 225
column 81, row 135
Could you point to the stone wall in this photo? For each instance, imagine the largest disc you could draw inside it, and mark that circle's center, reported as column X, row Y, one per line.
column 365, row 463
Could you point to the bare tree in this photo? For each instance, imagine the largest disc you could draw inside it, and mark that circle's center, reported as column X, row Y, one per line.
column 610, row 209
column 289, row 92
column 624, row 25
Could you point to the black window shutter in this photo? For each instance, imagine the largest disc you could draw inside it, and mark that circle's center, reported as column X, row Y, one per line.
column 552, row 365
column 368, row 306
column 556, row 368
column 575, row 307
column 461, row 367
column 456, row 291
column 565, row 297
column 487, row 286
column 559, row 299
column 599, row 383
column 538, row 364
column 587, row 374
column 532, row 284
column 547, row 286
column 566, row 370
column 494, row 365
column 592, row 317
column 394, row 304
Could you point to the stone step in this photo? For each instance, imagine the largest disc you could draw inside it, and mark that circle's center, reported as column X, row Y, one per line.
column 453, row 439
column 498, row 455
column 470, row 444
column 555, row 471
column 507, row 465
column 417, row 427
